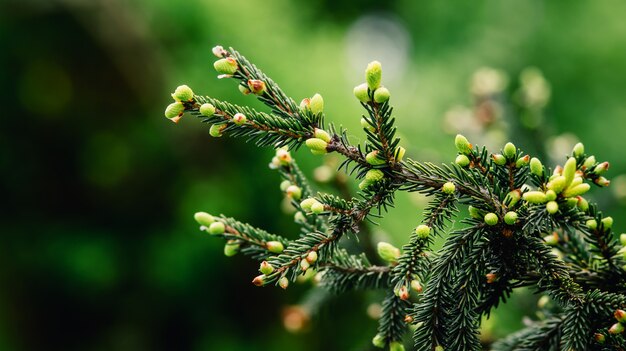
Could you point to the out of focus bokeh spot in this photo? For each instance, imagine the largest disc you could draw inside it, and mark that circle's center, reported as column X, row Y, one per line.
column 98, row 247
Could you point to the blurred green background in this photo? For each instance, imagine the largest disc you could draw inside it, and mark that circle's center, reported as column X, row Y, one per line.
column 98, row 248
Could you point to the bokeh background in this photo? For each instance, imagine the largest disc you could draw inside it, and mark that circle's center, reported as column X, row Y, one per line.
column 98, row 248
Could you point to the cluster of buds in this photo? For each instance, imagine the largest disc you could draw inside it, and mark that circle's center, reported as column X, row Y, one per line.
column 319, row 142
column 372, row 91
column 226, row 66
column 182, row 95
column 314, row 104
column 464, row 149
column 618, row 328
column 212, row 226
column 311, row 205
column 292, row 191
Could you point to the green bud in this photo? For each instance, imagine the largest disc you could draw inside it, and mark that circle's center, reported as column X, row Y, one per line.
column 388, row 252
column 316, row 144
column 557, row 184
column 226, row 65
column 512, row 197
column 448, row 188
column 399, row 154
column 379, row 341
column 294, row 192
column 536, row 167
column 607, row 223
column 396, row 346
column 550, row 195
column 360, row 92
column 522, row 161
column 582, row 204
column 552, row 207
column 422, row 231
column 374, row 175
column 462, row 160
column 283, row 282
column 207, row 109
column 317, row 104
column 601, row 181
column 578, row 150
column 231, row 249
column 474, row 212
column 305, row 104
column 491, row 218
column 589, row 162
column 321, row 134
column 307, row 203
column 216, row 130
column 304, row 265
column 175, row 109
column 509, row 151
column 577, row 190
column 535, row 197
column 284, row 185
column 274, row 246
column 622, row 239
column 552, row 239
column 204, row 218
column 620, row 315
column 256, row 86
column 569, row 170
column 266, row 268
column 510, row 218
column 244, row 89
column 372, row 159
column 311, row 257
column 317, row 207
column 259, row 280
column 373, row 75
column 499, row 159
column 183, row 93
column 571, row 202
column 367, row 126
column 216, row 228
column 381, row 95
column 239, row 119
column 591, row 224
column 616, row 328
column 601, row 168
column 462, row 144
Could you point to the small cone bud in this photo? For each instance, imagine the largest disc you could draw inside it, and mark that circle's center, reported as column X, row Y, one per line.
column 226, row 65
column 283, row 282
column 374, row 175
column 284, row 185
column 304, row 265
column 216, row 228
column 499, row 159
column 462, row 144
column 379, row 341
column 422, row 231
column 462, row 160
column 321, row 134
column 522, row 161
column 592, row 224
column 607, row 223
column 550, row 195
column 367, row 126
column 408, row 319
column 622, row 239
column 509, row 151
column 396, row 346
column 491, row 278
column 373, row 75
column 316, row 144
column 416, row 286
column 448, row 188
column 175, row 109
column 616, row 328
column 510, row 218
column 231, row 249
column 266, row 268
column 317, row 104
column 601, row 181
column 207, row 110
column 305, row 104
column 491, row 219
column 571, row 202
column 216, row 130
column 294, row 192
column 183, row 93
column 536, row 167
column 557, row 184
column 399, row 154
column 512, row 197
column 284, row 157
column 577, row 190
column 360, row 92
column 256, row 86
column 244, row 89
column 474, row 212
column 589, row 162
column 218, row 51
column 404, row 293
column 535, row 197
column 569, row 170
column 372, row 159
column 275, row 246
column 552, row 207
column 317, row 208
column 381, row 95
column 620, row 315
column 601, row 168
column 552, row 239
column 311, row 257
column 259, row 280
column 600, row 338
column 582, row 204
column 578, row 150
column 388, row 252
column 204, row 218
column 307, row 203
column 239, row 119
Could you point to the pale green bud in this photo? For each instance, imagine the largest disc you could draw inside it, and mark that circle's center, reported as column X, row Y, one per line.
column 622, row 239
column 399, row 154
column 175, row 109
column 207, row 109
column 307, row 203
column 317, row 207
column 607, row 223
column 462, row 144
column 510, row 218
column 379, row 341
column 367, row 126
column 582, row 204
column 216, row 228
column 274, row 246
column 569, row 170
column 284, row 185
column 535, row 197
column 266, row 268
column 396, row 346
column 256, row 86
column 299, row 217
column 388, row 252
column 321, row 134
column 216, row 130
column 283, row 282
column 589, row 162
column 226, row 65
column 304, row 265
column 499, row 159
column 231, row 249
column 239, row 119
column 305, row 104
column 491, row 218
column 294, row 192
column 448, row 188
column 551, row 239
column 372, row 158
column 536, row 167
column 522, row 161
column 183, row 93
column 571, row 202
column 373, row 75
column 577, row 190
column 578, row 150
column 512, row 197
column 311, row 257
column 316, row 144
column 557, row 184
column 601, row 168
column 591, row 224
column 552, row 207
column 360, row 92
column 550, row 195
column 509, row 151
column 204, row 218
column 601, row 181
column 422, row 231
column 416, row 286
column 462, row 160
column 284, row 157
column 381, row 95
column 317, row 104
column 374, row 175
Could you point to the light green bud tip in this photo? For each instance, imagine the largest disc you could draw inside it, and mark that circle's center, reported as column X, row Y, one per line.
column 569, row 170
column 396, row 346
column 317, row 207
column 462, row 160
column 294, row 192
column 578, row 150
column 448, row 188
column 491, row 218
column 231, row 249
column 422, row 231
column 372, row 158
column 589, row 162
column 284, row 185
column 373, row 75
column 379, row 341
column 509, row 151
column 175, row 109
column 266, row 268
column 499, row 159
column 510, row 218
column 321, row 134
column 622, row 239
column 316, row 144
column 183, row 93
column 207, row 109
column 592, row 224
column 226, row 65
column 204, row 218
column 577, row 190
column 474, row 212
column 388, row 252
column 216, row 130
column 239, row 119
column 550, row 195
column 535, row 197
column 399, row 154
column 374, row 175
column 536, row 167
column 316, row 104
column 275, row 246
column 557, row 184
column 601, row 168
column 462, row 144
column 582, row 204
column 216, row 228
column 552, row 207
column 307, row 203
column 607, row 223
column 360, row 92
column 522, row 161
column 381, row 95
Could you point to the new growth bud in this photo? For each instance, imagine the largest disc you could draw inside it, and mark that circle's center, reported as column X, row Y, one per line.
column 204, row 218
column 578, row 150
column 552, row 207
column 274, row 246
column 601, row 168
column 174, row 110
column 509, row 151
column 317, row 146
column 216, row 228
column 388, row 252
column 321, row 134
column 535, row 197
column 381, row 95
column 399, row 154
column 499, row 159
column 283, row 282
column 207, row 109
column 372, row 159
column 422, row 231
column 360, row 92
column 396, row 346
column 491, row 219
column 522, row 161
column 256, row 86
column 266, row 268
column 462, row 144
column 231, row 248
column 510, row 218
column 448, row 188
column 569, row 170
column 226, row 65
column 183, row 93
column 259, row 280
column 373, row 75
column 294, row 192
column 216, row 130
column 316, row 104
column 379, row 341
column 536, row 167
column 239, row 119
column 462, row 160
